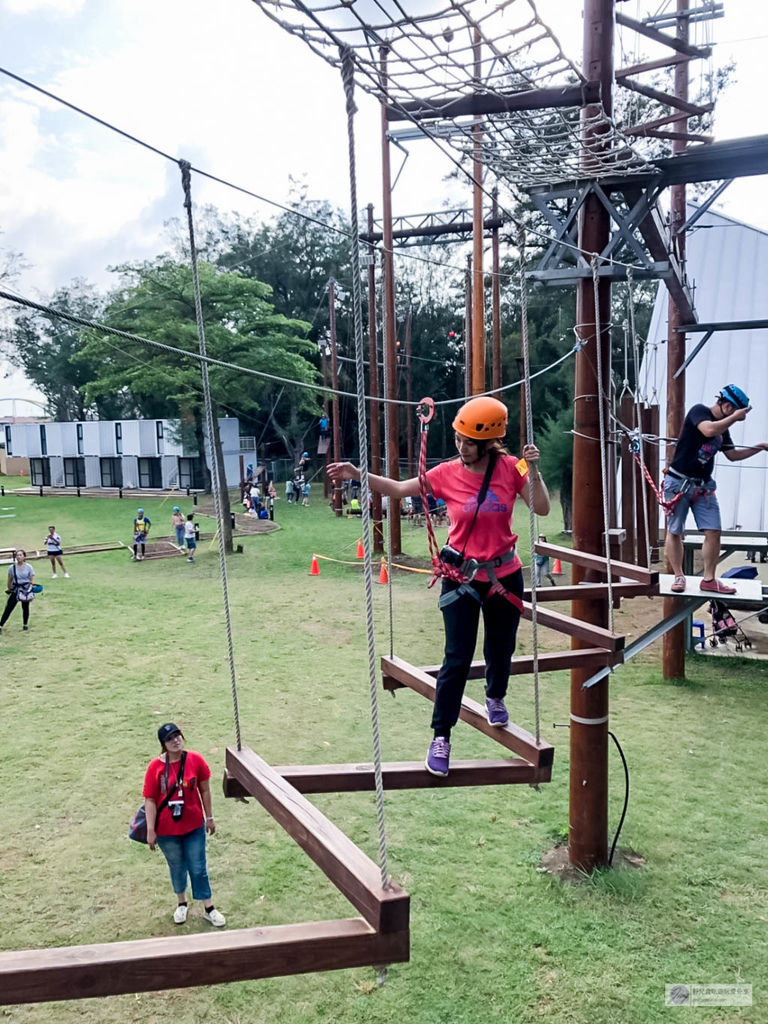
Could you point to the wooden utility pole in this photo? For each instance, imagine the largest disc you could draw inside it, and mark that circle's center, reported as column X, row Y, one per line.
column 409, row 394
column 374, row 428
column 335, row 386
column 477, row 379
column 326, row 414
column 468, row 327
column 390, row 326
column 588, row 812
column 496, row 296
column 673, row 658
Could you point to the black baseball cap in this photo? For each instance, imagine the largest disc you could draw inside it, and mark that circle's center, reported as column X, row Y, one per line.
column 165, row 732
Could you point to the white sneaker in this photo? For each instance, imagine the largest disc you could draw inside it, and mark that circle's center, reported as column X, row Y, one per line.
column 216, row 918
column 66, row 575
column 180, row 913
column 54, row 577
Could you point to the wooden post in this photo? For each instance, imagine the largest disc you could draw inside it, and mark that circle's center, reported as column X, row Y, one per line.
column 335, row 385
column 627, row 416
column 496, row 297
column 477, row 380
column 374, row 428
column 326, row 413
column 588, row 834
column 674, row 642
column 408, row 395
column 468, row 328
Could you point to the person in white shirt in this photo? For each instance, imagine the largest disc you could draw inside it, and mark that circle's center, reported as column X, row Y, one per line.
column 189, row 537
column 53, row 547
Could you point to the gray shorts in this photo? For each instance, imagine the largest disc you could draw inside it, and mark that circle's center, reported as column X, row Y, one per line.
column 699, row 499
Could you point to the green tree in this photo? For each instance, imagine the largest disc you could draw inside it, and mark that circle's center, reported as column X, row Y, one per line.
column 50, row 351
column 156, row 300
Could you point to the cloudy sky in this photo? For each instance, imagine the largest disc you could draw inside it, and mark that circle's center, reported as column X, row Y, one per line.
column 219, row 84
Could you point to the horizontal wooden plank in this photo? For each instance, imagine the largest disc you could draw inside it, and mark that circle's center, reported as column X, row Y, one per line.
column 598, row 563
column 350, row 870
column 591, row 591
column 549, row 661
column 596, row 636
column 511, row 736
column 356, row 778
column 182, row 961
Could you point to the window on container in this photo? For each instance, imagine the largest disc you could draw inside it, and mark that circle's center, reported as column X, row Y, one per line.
column 43, row 440
column 8, row 445
column 118, row 438
column 79, row 438
column 159, row 435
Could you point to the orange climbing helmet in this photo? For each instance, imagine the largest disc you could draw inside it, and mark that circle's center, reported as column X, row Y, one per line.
column 481, row 418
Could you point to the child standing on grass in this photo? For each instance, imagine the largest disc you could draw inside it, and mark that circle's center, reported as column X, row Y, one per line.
column 141, row 525
column 21, row 577
column 53, row 546
column 541, row 565
column 189, row 537
column 305, row 488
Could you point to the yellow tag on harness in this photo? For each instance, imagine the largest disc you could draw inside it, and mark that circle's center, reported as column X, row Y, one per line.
column 521, row 467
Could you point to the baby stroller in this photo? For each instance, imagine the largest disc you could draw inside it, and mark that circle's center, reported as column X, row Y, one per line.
column 724, row 626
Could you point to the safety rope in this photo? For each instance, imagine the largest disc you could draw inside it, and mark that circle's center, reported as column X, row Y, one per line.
column 533, row 531
column 347, row 74
column 602, row 398
column 638, row 421
column 218, row 483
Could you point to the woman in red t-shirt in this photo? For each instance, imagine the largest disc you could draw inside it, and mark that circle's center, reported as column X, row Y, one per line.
column 177, row 801
column 480, row 530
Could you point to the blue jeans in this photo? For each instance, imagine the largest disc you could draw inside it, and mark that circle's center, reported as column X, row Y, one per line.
column 180, row 536
column 462, row 619
column 186, row 856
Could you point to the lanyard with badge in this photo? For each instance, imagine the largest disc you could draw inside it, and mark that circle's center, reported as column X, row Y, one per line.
column 176, row 804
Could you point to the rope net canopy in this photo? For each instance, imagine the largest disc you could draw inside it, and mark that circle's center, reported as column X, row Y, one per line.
column 443, row 66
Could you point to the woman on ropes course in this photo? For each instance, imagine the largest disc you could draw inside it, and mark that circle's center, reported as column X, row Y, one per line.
column 480, row 566
column 688, row 484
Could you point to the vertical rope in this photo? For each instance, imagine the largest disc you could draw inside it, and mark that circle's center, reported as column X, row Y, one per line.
column 218, row 483
column 601, row 400
column 641, row 453
column 387, row 471
column 347, row 74
column 531, row 514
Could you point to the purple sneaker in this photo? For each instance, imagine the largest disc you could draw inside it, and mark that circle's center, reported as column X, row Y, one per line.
column 496, row 711
column 437, row 756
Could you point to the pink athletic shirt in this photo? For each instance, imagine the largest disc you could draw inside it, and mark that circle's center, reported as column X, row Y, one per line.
column 491, row 536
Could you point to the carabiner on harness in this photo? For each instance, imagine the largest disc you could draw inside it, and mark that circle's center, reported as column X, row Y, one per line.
column 425, row 410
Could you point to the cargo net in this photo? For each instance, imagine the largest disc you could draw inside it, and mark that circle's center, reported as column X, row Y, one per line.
column 430, row 65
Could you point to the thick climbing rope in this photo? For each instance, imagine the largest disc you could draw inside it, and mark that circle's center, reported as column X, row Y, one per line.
column 218, row 483
column 602, row 398
column 347, row 74
column 529, row 439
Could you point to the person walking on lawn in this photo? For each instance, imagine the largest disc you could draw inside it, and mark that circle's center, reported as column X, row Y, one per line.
column 53, row 547
column 688, row 482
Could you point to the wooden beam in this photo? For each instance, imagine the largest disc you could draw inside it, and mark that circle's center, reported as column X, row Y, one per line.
column 183, row 961
column 661, row 37
column 666, row 98
column 590, row 590
column 358, row 778
column 652, row 65
column 599, row 563
column 480, row 104
column 567, row 624
column 654, row 133
column 641, row 129
column 511, row 736
column 350, row 870
column 587, row 658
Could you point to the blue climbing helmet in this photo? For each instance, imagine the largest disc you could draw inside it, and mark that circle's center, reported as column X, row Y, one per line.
column 733, row 394
column 140, row 512
column 176, row 508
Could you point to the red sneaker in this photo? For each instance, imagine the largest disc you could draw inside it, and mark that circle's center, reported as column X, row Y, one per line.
column 678, row 585
column 716, row 587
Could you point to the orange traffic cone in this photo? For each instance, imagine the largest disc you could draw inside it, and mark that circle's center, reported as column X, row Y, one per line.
column 360, row 551
column 557, row 569
column 314, row 569
column 383, row 574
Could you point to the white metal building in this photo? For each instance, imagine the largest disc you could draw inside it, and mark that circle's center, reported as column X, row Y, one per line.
column 118, row 453
column 728, row 266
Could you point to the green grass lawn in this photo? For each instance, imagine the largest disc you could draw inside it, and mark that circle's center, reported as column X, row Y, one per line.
column 122, row 647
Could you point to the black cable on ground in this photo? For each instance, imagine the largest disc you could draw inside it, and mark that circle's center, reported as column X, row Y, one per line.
column 626, row 797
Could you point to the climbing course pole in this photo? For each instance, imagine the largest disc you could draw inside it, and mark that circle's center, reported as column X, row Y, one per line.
column 347, row 71
column 218, row 483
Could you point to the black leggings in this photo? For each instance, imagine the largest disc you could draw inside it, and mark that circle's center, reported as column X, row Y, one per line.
column 10, row 604
column 462, row 619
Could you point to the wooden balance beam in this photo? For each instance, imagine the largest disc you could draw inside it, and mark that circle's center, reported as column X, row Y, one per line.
column 540, row 754
column 598, row 563
column 551, row 661
column 148, row 965
column 400, row 775
column 350, row 870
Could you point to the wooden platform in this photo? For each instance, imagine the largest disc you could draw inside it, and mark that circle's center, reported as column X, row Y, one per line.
column 746, row 590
